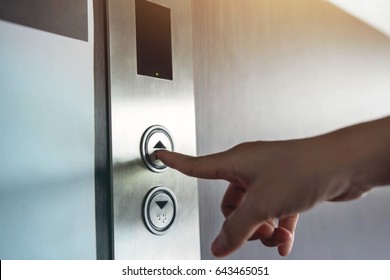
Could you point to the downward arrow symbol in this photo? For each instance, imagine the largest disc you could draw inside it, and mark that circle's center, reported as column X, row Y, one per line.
column 161, row 204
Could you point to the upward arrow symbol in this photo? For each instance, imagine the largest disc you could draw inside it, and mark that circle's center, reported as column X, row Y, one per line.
column 159, row 145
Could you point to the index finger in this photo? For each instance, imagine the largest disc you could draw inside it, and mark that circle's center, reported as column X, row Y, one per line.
column 206, row 167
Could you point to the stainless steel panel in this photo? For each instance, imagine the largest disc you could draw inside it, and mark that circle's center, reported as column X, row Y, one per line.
column 47, row 151
column 138, row 102
column 282, row 69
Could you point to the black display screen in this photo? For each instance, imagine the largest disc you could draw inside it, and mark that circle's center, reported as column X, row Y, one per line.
column 68, row 18
column 154, row 42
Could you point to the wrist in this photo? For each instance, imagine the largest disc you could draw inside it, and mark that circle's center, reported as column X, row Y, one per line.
column 362, row 155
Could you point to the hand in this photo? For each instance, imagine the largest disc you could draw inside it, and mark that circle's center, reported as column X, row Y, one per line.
column 268, row 181
column 236, row 229
column 276, row 180
column 269, row 233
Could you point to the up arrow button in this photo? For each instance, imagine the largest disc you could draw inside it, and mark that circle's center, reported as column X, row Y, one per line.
column 159, row 145
column 155, row 138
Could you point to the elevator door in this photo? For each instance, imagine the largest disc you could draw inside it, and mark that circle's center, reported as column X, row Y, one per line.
column 155, row 209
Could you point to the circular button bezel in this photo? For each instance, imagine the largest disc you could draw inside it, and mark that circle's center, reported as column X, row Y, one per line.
column 146, row 210
column 146, row 157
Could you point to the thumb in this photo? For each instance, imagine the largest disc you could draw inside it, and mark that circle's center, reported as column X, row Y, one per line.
column 238, row 227
column 206, row 167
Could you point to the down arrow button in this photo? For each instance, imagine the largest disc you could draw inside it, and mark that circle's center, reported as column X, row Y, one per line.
column 161, row 204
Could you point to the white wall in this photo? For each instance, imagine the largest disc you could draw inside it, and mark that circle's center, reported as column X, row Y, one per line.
column 282, row 69
column 47, row 208
column 374, row 12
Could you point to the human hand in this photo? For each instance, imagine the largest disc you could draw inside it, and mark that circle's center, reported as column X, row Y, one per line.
column 268, row 181
column 268, row 231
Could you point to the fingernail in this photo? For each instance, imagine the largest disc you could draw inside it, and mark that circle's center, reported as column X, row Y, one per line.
column 217, row 247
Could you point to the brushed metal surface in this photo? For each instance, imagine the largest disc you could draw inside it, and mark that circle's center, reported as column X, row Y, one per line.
column 138, row 102
column 282, row 69
column 47, row 177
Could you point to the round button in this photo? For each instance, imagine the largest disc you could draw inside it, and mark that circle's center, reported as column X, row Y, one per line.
column 155, row 138
column 159, row 210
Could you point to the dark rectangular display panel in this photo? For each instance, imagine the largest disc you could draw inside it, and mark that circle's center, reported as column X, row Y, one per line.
column 68, row 18
column 154, row 42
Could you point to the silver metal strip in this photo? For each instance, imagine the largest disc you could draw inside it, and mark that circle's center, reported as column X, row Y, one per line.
column 138, row 102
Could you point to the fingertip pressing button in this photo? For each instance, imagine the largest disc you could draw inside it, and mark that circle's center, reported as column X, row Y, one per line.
column 155, row 138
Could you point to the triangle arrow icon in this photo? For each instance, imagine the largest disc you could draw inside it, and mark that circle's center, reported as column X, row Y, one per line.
column 161, row 204
column 159, row 145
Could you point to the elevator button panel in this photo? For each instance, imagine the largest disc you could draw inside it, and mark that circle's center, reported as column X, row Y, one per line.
column 159, row 210
column 151, row 108
column 155, row 138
